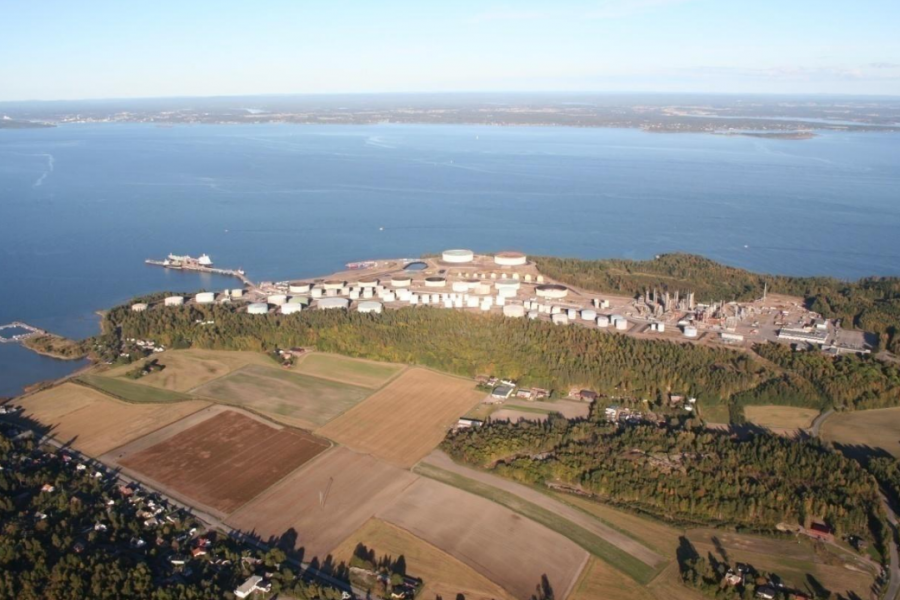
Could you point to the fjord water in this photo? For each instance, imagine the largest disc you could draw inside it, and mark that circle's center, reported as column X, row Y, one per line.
column 82, row 206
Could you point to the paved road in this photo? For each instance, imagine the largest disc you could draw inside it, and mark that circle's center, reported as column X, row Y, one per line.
column 818, row 421
column 209, row 521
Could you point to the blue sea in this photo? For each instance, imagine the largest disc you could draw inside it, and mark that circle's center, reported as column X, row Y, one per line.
column 82, row 206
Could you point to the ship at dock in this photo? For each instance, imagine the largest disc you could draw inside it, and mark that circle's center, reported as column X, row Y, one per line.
column 175, row 261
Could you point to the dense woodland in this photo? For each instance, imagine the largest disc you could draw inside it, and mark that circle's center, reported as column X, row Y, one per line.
column 682, row 475
column 871, row 304
column 533, row 352
column 76, row 540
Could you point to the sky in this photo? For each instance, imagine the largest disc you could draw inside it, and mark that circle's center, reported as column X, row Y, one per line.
column 64, row 49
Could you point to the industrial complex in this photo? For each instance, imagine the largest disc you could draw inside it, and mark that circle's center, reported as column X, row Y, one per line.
column 508, row 284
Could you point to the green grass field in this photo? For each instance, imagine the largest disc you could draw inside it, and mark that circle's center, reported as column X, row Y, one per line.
column 131, row 392
column 365, row 373
column 594, row 544
column 290, row 398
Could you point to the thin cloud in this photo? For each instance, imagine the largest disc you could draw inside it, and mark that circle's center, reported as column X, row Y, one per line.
column 619, row 9
column 510, row 15
column 884, row 65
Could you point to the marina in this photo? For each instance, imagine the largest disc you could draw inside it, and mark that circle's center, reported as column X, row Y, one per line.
column 29, row 331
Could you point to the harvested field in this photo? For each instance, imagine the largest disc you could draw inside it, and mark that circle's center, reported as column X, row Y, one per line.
column 567, row 408
column 365, row 373
column 357, row 487
column 620, row 550
column 781, row 417
column 599, row 581
column 407, row 419
column 290, row 398
column 226, row 460
column 878, row 428
column 130, row 391
column 186, row 369
column 715, row 413
column 97, row 423
column 444, row 576
column 508, row 549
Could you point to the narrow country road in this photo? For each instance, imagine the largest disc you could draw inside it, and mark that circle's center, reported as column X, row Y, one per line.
column 894, row 584
column 818, row 421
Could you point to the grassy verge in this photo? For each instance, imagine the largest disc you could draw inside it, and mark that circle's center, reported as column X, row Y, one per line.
column 594, row 544
column 131, row 392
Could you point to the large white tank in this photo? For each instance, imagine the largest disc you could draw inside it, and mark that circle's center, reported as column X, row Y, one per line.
column 551, row 290
column 237, row 293
column 622, row 325
column 174, row 300
column 401, row 281
column 690, row 331
column 602, row 321
column 435, row 282
column 514, row 310
column 533, row 314
column 559, row 319
column 289, row 309
column 257, row 308
column 510, row 259
column 299, row 288
column 205, row 298
column 458, row 256
column 327, row 303
column 304, row 300
column 368, row 283
column 572, row 314
column 588, row 315
column 277, row 299
column 460, row 286
column 333, row 285
column 316, row 292
column 370, row 306
column 139, row 307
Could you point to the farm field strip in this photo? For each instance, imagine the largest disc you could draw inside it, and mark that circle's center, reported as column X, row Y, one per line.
column 186, row 369
column 96, row 423
column 129, row 391
column 405, row 420
column 444, row 576
column 876, row 428
column 508, row 549
column 353, row 486
column 225, row 460
column 357, row 371
column 295, row 399
column 621, row 551
column 781, row 417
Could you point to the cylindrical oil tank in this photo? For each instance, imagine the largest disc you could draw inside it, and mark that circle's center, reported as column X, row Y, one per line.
column 333, row 284
column 690, row 331
column 551, row 290
column 533, row 314
column 458, row 256
column 277, row 299
column 572, row 314
column 289, row 309
column 602, row 321
column 370, row 306
column 588, row 315
column 299, row 287
column 174, row 300
column 510, row 259
column 205, row 298
column 559, row 319
column 316, row 292
column 514, row 310
column 258, row 308
column 139, row 307
column 460, row 286
column 303, row 300
column 401, row 281
column 327, row 303
column 368, row 283
column 435, row 282
column 621, row 324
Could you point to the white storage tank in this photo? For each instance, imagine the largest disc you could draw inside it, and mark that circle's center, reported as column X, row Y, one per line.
column 389, row 297
column 370, row 306
column 303, row 300
column 328, row 303
column 277, row 299
column 368, row 283
column 458, row 256
column 588, row 315
column 333, row 285
column 471, row 302
column 690, row 331
column 257, row 308
column 559, row 319
column 507, row 284
column 401, row 281
column 139, row 307
column 316, row 292
column 435, row 282
column 482, row 289
column 460, row 286
column 354, row 294
column 622, row 325
column 425, row 299
column 299, row 287
column 515, row 311
column 237, row 293
column 551, row 290
column 602, row 321
column 510, row 259
column 367, row 293
column 205, row 298
column 174, row 300
column 289, row 309
column 572, row 314
column 533, row 314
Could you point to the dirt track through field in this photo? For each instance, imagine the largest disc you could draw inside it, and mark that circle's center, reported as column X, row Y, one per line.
column 507, row 548
column 580, row 518
column 225, row 460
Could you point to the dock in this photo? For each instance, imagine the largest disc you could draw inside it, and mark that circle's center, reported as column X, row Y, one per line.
column 30, row 329
column 237, row 273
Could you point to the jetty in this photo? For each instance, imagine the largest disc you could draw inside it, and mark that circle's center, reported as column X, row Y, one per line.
column 30, row 331
column 197, row 266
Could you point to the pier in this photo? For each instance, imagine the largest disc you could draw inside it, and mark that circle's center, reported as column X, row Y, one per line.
column 31, row 331
column 237, row 273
